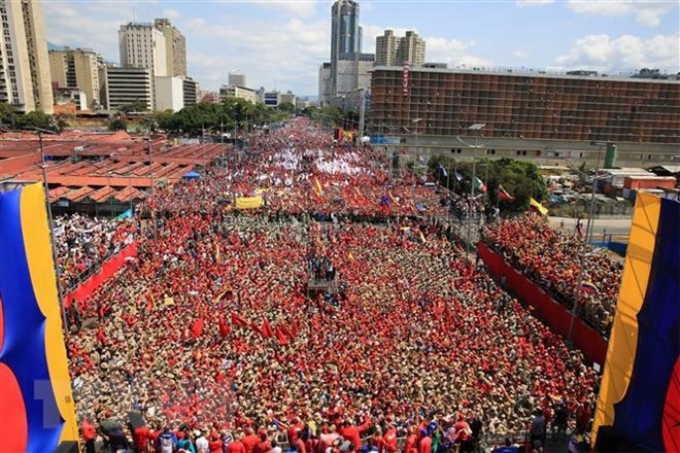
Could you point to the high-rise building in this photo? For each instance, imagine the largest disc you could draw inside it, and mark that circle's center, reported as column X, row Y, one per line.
column 345, row 35
column 77, row 68
column 144, row 46
column 175, row 48
column 237, row 79
column 125, row 87
column 325, row 84
column 24, row 64
column 191, row 92
column 391, row 50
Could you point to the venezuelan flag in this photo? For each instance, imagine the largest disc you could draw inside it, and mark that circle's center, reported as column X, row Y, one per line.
column 589, row 287
column 35, row 388
column 640, row 390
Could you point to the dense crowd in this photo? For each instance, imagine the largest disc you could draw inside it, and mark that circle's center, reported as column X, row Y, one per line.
column 83, row 243
column 211, row 334
column 552, row 259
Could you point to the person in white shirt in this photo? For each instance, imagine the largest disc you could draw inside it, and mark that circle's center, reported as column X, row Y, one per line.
column 202, row 442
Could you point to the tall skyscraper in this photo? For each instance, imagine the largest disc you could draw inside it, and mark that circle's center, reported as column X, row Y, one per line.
column 175, row 48
column 77, row 68
column 394, row 51
column 345, row 36
column 144, row 46
column 24, row 64
column 237, row 79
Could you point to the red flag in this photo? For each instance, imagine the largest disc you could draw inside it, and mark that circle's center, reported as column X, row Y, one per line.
column 256, row 328
column 284, row 328
column 225, row 329
column 238, row 320
column 197, row 328
column 267, row 330
column 280, row 336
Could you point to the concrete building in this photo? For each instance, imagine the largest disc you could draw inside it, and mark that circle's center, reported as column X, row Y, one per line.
column 65, row 95
column 289, row 97
column 353, row 73
column 126, row 86
column 77, row 68
column 24, row 62
column 346, row 36
column 175, row 48
column 272, row 98
column 391, row 50
column 543, row 117
column 234, row 91
column 237, row 79
column 325, row 84
column 168, row 93
column 144, row 46
column 191, row 92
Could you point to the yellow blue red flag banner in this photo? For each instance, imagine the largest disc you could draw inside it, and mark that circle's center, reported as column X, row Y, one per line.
column 35, row 388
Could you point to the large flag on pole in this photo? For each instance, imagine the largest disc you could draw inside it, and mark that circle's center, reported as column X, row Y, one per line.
column 504, row 195
column 479, row 185
column 537, row 207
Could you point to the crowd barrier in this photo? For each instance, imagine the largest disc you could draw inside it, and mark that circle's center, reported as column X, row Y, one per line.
column 556, row 315
column 83, row 290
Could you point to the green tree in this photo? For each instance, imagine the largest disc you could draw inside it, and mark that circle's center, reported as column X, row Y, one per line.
column 8, row 116
column 118, row 124
column 286, row 107
column 36, row 119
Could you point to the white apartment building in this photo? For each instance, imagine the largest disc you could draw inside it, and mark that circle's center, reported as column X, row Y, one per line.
column 143, row 46
column 24, row 64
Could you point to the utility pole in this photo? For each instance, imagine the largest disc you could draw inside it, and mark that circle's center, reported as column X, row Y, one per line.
column 50, row 219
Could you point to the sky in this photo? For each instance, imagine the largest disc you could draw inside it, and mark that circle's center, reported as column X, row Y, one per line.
column 281, row 44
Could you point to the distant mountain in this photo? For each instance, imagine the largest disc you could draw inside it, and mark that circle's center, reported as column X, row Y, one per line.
column 51, row 46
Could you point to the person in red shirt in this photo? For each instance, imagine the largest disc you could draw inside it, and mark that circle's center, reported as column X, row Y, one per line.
column 263, row 446
column 294, row 430
column 140, row 438
column 389, row 440
column 215, row 444
column 249, row 440
column 425, row 444
column 236, row 446
column 411, row 441
column 353, row 433
column 89, row 434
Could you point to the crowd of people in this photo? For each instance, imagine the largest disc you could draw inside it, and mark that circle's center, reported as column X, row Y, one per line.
column 209, row 334
column 83, row 243
column 552, row 260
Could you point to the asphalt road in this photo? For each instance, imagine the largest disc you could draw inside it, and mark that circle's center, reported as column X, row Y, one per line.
column 618, row 227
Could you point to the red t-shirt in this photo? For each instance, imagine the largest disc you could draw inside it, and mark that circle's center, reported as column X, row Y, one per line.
column 140, row 437
column 236, row 447
column 249, row 442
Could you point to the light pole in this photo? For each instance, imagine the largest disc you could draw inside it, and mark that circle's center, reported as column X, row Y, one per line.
column 108, row 177
column 584, row 249
column 57, row 270
column 476, row 128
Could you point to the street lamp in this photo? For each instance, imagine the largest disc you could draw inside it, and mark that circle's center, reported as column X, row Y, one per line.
column 43, row 166
column 416, row 121
column 584, row 245
column 476, row 128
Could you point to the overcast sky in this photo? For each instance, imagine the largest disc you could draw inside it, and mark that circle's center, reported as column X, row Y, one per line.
column 282, row 43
